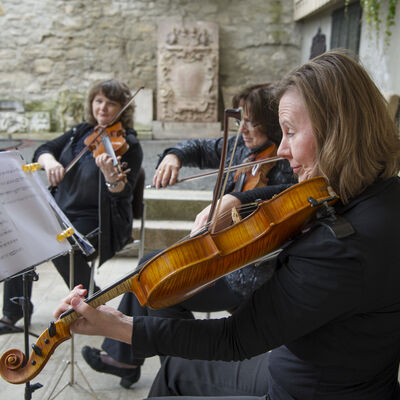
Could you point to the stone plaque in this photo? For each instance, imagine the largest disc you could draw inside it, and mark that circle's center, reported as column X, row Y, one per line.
column 187, row 72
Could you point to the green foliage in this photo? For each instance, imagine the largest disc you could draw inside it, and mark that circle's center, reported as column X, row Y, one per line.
column 372, row 14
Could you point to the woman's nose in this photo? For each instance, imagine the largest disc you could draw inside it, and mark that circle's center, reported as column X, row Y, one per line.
column 243, row 128
column 283, row 149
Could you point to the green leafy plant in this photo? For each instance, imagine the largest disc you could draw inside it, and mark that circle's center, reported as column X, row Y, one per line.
column 372, row 14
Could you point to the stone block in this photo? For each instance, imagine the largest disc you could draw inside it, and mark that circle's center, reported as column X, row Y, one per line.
column 187, row 71
column 143, row 109
column 11, row 122
column 185, row 130
column 39, row 121
column 14, row 122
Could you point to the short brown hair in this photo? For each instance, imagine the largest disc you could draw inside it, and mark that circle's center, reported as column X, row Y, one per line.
column 357, row 140
column 114, row 90
column 258, row 102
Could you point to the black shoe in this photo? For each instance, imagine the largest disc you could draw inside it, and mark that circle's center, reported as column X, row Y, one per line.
column 129, row 375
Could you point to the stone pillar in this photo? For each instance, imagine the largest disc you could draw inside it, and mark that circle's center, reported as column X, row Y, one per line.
column 187, row 80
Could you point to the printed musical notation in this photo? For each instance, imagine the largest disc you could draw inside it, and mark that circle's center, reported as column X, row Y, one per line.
column 28, row 224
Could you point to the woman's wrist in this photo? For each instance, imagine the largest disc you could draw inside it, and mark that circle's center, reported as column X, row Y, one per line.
column 115, row 187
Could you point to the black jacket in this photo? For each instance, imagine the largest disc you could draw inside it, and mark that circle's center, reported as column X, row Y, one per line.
column 78, row 193
column 330, row 313
column 206, row 153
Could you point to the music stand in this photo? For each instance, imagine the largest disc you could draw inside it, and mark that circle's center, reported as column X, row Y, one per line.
column 30, row 217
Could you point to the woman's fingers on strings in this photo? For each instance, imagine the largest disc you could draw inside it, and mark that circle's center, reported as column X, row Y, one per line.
column 77, row 291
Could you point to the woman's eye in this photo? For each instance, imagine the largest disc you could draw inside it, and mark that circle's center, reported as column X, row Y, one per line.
column 290, row 133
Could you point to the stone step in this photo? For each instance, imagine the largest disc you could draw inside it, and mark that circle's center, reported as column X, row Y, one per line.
column 158, row 235
column 169, row 204
column 169, row 218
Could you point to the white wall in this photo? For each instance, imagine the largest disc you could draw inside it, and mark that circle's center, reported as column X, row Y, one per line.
column 309, row 29
column 381, row 61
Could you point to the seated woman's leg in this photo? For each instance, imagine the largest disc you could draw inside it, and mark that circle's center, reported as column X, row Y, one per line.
column 180, row 377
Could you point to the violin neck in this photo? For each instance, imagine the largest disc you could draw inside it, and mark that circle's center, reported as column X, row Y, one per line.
column 116, row 289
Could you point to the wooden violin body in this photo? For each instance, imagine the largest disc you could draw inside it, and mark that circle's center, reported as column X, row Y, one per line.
column 116, row 133
column 249, row 178
column 184, row 269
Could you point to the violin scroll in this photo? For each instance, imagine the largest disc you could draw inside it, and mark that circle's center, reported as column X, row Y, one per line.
column 15, row 368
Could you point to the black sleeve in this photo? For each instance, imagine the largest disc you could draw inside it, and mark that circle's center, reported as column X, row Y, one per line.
column 55, row 146
column 201, row 153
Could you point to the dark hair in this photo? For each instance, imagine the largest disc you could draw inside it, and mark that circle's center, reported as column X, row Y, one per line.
column 114, row 90
column 258, row 102
column 357, row 140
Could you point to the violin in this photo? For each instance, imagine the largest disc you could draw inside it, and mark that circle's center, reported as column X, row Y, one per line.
column 249, row 178
column 185, row 268
column 110, row 139
column 115, row 133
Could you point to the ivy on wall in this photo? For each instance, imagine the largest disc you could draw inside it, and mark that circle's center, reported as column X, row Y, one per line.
column 372, row 12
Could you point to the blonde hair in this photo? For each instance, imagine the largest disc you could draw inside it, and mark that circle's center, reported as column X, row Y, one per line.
column 357, row 140
column 114, row 90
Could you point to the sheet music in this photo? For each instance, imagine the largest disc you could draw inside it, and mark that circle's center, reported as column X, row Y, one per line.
column 85, row 246
column 28, row 225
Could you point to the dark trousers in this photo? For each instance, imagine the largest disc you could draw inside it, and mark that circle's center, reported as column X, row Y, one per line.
column 247, row 379
column 218, row 297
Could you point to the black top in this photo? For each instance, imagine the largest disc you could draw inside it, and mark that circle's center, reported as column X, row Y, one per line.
column 330, row 314
column 78, row 193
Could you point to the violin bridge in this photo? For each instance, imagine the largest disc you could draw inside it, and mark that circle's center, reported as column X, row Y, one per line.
column 235, row 215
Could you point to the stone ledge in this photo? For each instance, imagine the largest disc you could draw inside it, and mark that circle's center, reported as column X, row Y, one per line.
column 168, row 194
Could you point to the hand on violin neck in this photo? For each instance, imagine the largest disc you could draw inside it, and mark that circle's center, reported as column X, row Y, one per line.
column 101, row 321
column 65, row 303
column 54, row 170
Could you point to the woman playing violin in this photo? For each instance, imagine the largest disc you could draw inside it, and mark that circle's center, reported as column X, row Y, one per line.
column 77, row 191
column 259, row 131
column 327, row 324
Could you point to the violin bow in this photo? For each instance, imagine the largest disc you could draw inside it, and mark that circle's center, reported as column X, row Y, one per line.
column 232, row 168
column 234, row 113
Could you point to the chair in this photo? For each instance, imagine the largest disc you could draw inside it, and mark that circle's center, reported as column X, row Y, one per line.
column 139, row 210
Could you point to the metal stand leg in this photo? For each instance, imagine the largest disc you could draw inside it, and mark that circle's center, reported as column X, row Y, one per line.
column 72, row 363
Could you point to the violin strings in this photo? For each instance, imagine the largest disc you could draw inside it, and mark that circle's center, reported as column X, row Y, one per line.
column 226, row 216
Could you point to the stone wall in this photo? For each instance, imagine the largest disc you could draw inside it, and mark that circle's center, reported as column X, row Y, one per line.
column 51, row 51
